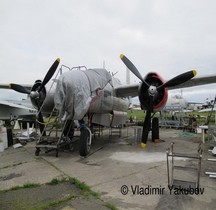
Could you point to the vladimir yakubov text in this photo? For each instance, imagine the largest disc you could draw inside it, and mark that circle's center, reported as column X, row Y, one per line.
column 150, row 190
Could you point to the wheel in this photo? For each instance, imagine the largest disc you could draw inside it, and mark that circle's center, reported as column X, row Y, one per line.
column 155, row 129
column 37, row 152
column 12, row 123
column 85, row 142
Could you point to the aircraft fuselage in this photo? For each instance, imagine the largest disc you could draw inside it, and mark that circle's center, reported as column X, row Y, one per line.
column 77, row 93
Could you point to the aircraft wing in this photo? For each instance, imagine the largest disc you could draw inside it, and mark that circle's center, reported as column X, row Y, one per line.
column 14, row 105
column 207, row 110
column 127, row 90
column 10, row 111
column 196, row 81
column 132, row 90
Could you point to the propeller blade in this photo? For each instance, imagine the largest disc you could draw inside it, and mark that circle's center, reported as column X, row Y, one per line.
column 49, row 74
column 19, row 88
column 132, row 68
column 146, row 128
column 179, row 79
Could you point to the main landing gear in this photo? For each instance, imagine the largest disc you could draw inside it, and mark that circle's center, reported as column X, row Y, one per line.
column 85, row 141
column 147, row 126
column 155, row 130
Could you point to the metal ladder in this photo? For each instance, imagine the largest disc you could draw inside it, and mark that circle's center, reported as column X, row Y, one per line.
column 171, row 167
column 59, row 134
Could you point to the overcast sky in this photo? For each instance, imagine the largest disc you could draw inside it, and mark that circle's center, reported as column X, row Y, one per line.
column 166, row 36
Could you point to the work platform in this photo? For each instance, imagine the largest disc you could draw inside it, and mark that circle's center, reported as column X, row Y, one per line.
column 57, row 134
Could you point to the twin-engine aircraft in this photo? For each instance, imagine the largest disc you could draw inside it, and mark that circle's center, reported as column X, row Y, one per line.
column 97, row 95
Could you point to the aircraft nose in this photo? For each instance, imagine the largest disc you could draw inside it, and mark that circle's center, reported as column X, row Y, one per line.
column 73, row 95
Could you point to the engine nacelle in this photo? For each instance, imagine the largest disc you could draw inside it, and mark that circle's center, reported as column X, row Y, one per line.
column 159, row 99
column 45, row 100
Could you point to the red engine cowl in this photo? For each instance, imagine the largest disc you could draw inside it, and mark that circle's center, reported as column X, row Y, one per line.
column 159, row 99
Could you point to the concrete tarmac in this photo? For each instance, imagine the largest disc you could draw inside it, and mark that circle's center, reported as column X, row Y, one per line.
column 120, row 170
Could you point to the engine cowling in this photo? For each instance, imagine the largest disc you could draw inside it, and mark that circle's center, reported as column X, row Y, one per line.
column 45, row 100
column 159, row 99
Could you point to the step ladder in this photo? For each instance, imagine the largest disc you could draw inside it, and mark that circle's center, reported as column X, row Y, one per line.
column 173, row 169
column 59, row 134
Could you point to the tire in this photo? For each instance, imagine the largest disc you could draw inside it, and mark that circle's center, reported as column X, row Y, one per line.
column 155, row 129
column 56, row 152
column 37, row 152
column 85, row 142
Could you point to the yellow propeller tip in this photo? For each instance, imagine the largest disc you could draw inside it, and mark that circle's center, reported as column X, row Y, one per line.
column 194, row 72
column 143, row 145
column 9, row 86
column 58, row 59
column 121, row 56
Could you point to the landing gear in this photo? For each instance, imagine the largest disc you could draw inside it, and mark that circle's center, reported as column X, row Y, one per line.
column 85, row 141
column 155, row 129
column 69, row 134
column 69, row 129
column 146, row 128
column 37, row 152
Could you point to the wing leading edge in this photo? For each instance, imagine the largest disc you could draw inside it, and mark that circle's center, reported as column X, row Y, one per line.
column 132, row 90
column 14, row 105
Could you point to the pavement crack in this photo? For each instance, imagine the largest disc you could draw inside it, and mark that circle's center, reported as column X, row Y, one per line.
column 117, row 178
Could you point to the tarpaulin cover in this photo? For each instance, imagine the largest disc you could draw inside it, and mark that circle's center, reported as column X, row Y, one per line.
column 75, row 90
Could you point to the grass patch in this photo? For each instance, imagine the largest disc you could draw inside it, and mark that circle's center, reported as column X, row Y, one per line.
column 81, row 185
column 54, row 203
column 139, row 115
column 111, row 206
column 27, row 185
column 88, row 191
column 56, row 181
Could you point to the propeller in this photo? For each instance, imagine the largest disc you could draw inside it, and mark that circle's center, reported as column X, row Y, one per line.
column 36, row 94
column 46, row 79
column 153, row 90
column 19, row 88
column 179, row 79
column 49, row 74
column 132, row 68
column 172, row 82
